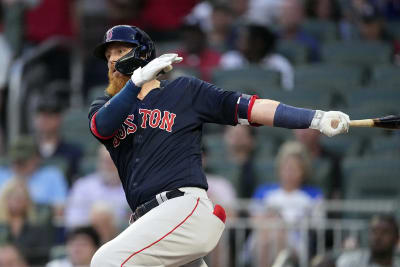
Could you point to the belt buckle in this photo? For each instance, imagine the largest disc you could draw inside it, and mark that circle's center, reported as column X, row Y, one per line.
column 136, row 214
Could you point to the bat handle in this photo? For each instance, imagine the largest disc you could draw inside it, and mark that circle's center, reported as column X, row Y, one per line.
column 362, row 123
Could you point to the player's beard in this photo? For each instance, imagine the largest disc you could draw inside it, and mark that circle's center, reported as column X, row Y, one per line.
column 115, row 84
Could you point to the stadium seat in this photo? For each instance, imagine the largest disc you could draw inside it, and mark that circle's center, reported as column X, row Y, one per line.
column 250, row 80
column 167, row 47
column 185, row 71
column 327, row 77
column 380, row 102
column 266, row 170
column 295, row 52
column 320, row 174
column 359, row 53
column 88, row 165
column 96, row 92
column 342, row 145
column 304, row 98
column 75, row 128
column 322, row 30
column 371, row 178
column 394, row 28
column 386, row 76
column 386, row 146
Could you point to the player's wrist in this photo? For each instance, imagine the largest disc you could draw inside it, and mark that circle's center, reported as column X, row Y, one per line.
column 316, row 121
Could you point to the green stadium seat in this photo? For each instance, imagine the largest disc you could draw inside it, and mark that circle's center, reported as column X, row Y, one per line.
column 394, row 28
column 320, row 174
column 342, row 145
column 167, row 47
column 371, row 178
column 266, row 170
column 386, row 76
column 88, row 165
column 96, row 92
column 185, row 71
column 304, row 98
column 359, row 53
column 295, row 52
column 75, row 128
column 249, row 80
column 327, row 77
column 322, row 30
column 380, row 102
column 386, row 146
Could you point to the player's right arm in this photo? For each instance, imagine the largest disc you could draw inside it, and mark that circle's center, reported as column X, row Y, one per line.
column 216, row 105
column 273, row 113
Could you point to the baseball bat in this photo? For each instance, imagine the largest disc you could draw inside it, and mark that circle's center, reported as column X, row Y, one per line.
column 387, row 122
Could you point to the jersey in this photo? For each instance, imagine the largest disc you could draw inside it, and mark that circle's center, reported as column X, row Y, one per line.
column 158, row 146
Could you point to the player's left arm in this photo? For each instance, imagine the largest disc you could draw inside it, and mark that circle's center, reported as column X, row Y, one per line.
column 273, row 113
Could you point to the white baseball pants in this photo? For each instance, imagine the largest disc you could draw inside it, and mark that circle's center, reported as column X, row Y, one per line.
column 179, row 232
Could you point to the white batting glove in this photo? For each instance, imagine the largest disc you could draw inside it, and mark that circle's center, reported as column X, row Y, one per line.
column 330, row 123
column 154, row 68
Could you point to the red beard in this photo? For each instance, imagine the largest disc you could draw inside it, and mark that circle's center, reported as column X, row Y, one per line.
column 115, row 84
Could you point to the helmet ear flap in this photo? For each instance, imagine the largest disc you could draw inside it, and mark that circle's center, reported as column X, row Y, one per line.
column 138, row 57
column 130, row 62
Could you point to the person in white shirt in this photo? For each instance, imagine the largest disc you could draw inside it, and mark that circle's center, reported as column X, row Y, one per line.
column 103, row 185
column 296, row 202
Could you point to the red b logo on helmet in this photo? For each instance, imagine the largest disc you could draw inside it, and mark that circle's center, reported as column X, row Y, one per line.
column 109, row 35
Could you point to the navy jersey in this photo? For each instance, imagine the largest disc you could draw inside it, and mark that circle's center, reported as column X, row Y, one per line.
column 158, row 146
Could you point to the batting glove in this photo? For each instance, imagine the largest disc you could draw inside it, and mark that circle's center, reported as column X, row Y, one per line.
column 330, row 123
column 161, row 64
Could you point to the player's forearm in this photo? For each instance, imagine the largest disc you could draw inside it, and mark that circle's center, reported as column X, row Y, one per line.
column 110, row 117
column 272, row 113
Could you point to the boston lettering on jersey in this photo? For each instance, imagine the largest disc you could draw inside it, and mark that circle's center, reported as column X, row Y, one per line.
column 153, row 118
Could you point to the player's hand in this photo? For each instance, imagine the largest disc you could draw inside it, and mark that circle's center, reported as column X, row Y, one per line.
column 159, row 65
column 330, row 123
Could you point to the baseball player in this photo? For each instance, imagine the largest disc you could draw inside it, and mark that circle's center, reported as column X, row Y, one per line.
column 152, row 130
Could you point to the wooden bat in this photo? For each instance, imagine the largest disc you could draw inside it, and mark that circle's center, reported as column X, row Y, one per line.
column 388, row 122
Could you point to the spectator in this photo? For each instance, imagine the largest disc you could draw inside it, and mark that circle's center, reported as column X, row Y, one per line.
column 221, row 191
column 291, row 17
column 104, row 221
column 268, row 240
column 196, row 53
column 222, row 33
column 327, row 260
column 82, row 243
column 11, row 257
column 325, row 10
column 50, row 18
column 240, row 143
column 92, row 188
column 311, row 140
column 372, row 28
column 256, row 46
column 19, row 223
column 291, row 197
column 47, row 185
column 162, row 19
column 52, row 146
column 383, row 237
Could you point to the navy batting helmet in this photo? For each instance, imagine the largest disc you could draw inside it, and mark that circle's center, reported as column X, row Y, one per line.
column 143, row 47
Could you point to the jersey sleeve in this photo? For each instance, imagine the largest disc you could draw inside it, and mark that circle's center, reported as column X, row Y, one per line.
column 216, row 105
column 94, row 108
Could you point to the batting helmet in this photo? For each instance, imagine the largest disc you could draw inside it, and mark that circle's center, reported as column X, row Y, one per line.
column 143, row 47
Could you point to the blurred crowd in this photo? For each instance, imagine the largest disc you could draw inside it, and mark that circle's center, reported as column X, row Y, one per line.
column 60, row 194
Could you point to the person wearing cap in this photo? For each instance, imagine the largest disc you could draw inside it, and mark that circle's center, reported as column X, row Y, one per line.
column 47, row 129
column 47, row 184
